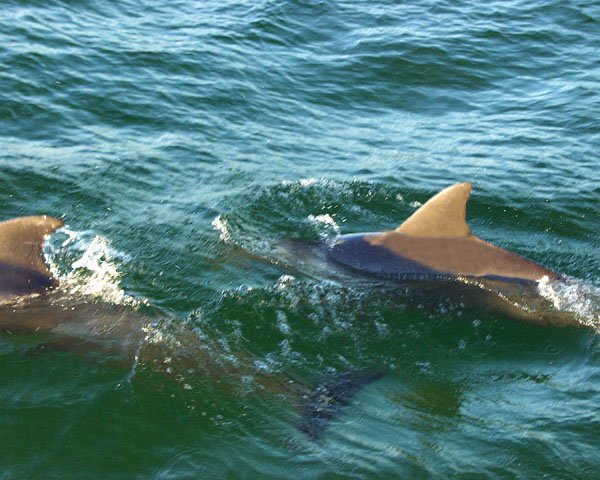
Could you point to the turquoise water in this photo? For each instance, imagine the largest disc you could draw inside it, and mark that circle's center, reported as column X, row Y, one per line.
column 181, row 140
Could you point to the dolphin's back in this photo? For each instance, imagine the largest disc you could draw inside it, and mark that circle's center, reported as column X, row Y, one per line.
column 392, row 254
column 462, row 256
column 15, row 280
column 356, row 252
column 435, row 242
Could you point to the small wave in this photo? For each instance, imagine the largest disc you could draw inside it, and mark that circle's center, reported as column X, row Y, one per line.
column 220, row 225
column 575, row 296
column 310, row 209
column 307, row 182
column 311, row 183
column 326, row 225
column 86, row 264
column 285, row 281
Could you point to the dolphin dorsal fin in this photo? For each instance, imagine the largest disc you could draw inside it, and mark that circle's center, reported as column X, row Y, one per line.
column 22, row 239
column 443, row 216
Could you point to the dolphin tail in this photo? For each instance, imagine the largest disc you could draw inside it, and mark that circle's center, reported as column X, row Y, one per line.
column 319, row 407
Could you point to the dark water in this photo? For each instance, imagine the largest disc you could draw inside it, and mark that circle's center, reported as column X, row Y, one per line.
column 180, row 140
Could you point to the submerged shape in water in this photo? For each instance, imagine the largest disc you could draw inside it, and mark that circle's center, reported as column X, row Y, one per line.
column 81, row 319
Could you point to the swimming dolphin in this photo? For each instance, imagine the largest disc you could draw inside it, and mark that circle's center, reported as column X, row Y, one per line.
column 434, row 249
column 435, row 241
column 33, row 301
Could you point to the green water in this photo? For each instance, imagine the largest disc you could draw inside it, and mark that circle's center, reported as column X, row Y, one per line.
column 181, row 140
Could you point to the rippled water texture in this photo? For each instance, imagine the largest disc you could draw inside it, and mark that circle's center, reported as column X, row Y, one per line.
column 181, row 141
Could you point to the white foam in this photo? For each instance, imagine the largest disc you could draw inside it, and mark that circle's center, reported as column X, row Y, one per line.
column 327, row 223
column 284, row 282
column 310, row 182
column 575, row 296
column 86, row 264
column 220, row 225
column 282, row 323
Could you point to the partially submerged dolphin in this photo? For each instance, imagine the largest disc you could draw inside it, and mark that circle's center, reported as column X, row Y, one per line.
column 434, row 248
column 435, row 242
column 33, row 301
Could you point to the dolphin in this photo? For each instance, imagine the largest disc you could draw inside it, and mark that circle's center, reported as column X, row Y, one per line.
column 32, row 301
column 434, row 249
column 435, row 241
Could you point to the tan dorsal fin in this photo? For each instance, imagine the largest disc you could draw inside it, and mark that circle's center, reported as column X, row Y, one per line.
column 443, row 216
column 22, row 239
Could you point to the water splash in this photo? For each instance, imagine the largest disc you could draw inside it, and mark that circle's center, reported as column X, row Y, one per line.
column 308, row 182
column 313, row 182
column 86, row 264
column 219, row 224
column 325, row 224
column 573, row 295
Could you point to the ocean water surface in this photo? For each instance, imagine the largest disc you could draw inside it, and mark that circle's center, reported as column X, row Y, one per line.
column 180, row 141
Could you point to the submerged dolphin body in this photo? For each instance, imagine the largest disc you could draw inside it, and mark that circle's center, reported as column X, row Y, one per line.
column 33, row 301
column 434, row 249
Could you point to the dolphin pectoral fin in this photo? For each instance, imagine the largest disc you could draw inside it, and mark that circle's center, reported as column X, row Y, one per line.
column 21, row 258
column 442, row 216
column 322, row 405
